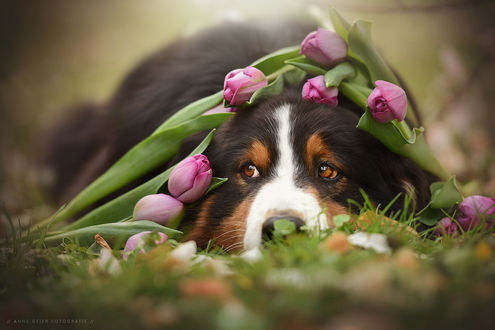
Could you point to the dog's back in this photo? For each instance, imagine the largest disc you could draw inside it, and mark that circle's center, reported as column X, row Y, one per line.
column 93, row 137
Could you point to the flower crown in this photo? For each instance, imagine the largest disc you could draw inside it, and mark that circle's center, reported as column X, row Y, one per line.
column 340, row 61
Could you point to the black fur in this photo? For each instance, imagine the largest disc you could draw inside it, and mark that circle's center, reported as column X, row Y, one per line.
column 191, row 69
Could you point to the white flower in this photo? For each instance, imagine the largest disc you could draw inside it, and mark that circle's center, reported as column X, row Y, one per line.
column 377, row 242
column 185, row 251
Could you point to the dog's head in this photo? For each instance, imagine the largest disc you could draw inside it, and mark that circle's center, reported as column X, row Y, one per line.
column 295, row 160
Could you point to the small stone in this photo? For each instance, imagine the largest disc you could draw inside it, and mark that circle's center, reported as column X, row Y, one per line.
column 337, row 242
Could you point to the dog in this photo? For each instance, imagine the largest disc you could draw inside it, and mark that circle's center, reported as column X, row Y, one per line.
column 285, row 158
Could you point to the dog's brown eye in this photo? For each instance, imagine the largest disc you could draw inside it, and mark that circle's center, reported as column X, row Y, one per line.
column 327, row 172
column 251, row 171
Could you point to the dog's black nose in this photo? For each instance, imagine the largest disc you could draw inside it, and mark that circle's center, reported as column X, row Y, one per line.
column 269, row 224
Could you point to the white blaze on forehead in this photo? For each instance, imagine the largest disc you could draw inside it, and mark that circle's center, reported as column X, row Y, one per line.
column 280, row 195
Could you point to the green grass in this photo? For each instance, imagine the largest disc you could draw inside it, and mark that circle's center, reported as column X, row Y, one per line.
column 301, row 281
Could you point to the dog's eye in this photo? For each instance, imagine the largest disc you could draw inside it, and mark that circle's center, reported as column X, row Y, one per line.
column 250, row 171
column 325, row 171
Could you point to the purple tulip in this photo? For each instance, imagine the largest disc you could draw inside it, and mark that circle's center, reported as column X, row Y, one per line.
column 474, row 207
column 138, row 241
column 220, row 109
column 387, row 102
column 315, row 90
column 240, row 84
column 190, row 179
column 159, row 208
column 324, row 46
column 446, row 227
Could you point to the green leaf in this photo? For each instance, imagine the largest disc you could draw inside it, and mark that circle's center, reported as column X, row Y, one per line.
column 113, row 233
column 274, row 61
column 274, row 88
column 362, row 46
column 355, row 93
column 341, row 71
column 215, row 183
column 444, row 195
column 122, row 207
column 283, row 227
column 307, row 65
column 191, row 111
column 387, row 133
column 430, row 216
column 144, row 157
column 340, row 25
column 340, row 219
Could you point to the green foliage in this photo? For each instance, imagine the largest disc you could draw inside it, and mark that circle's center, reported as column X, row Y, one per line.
column 303, row 63
column 444, row 196
column 144, row 157
column 276, row 87
column 274, row 61
column 114, row 233
column 123, row 206
column 297, row 281
column 334, row 76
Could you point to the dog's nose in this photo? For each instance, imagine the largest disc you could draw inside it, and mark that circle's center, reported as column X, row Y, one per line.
column 269, row 224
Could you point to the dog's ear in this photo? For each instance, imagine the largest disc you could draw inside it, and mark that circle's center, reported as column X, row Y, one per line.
column 406, row 177
column 74, row 151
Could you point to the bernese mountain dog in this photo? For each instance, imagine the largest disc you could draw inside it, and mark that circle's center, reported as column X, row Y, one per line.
column 284, row 157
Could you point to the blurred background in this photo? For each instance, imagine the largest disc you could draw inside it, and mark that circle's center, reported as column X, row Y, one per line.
column 58, row 53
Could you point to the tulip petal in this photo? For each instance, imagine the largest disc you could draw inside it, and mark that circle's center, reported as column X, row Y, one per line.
column 137, row 241
column 332, row 46
column 472, row 207
column 305, row 44
column 200, row 185
column 159, row 208
column 396, row 98
column 315, row 90
column 182, row 177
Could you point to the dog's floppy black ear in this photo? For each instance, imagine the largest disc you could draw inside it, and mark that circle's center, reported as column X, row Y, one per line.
column 75, row 151
column 406, row 177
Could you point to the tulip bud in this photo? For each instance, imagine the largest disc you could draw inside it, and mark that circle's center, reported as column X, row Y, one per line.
column 315, row 90
column 387, row 102
column 138, row 241
column 240, row 84
column 190, row 178
column 474, row 207
column 324, row 46
column 446, row 226
column 159, row 208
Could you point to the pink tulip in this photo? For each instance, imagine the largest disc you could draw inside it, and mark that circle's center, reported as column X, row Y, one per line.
column 473, row 208
column 138, row 241
column 387, row 102
column 240, row 84
column 159, row 208
column 324, row 46
column 315, row 90
column 190, row 179
column 220, row 109
column 446, row 227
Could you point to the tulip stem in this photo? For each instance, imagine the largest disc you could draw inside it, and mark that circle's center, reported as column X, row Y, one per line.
column 403, row 128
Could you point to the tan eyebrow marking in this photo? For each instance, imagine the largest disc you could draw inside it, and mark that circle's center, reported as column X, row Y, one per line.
column 316, row 147
column 260, row 156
